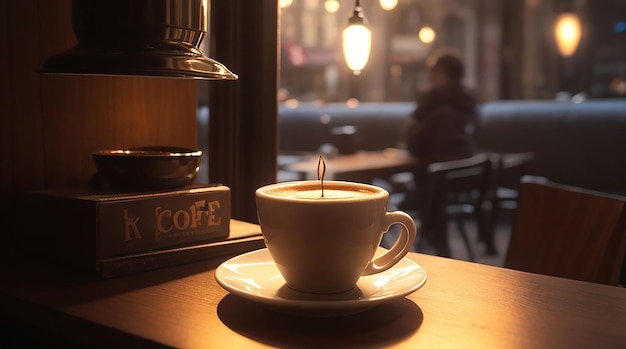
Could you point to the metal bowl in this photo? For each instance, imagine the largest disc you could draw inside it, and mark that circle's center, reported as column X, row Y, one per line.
column 148, row 168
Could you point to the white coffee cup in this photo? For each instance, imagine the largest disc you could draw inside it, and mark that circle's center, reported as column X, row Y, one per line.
column 325, row 244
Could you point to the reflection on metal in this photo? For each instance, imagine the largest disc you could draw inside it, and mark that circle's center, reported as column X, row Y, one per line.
column 139, row 37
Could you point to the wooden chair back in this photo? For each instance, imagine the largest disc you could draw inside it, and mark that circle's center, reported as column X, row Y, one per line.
column 569, row 232
column 464, row 175
column 456, row 187
column 511, row 167
column 508, row 169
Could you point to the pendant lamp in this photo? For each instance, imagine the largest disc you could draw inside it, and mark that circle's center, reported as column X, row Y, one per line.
column 567, row 32
column 357, row 41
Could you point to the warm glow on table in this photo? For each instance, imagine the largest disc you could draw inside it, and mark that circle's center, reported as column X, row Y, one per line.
column 462, row 305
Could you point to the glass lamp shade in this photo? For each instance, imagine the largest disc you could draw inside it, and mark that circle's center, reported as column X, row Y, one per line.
column 357, row 45
column 567, row 32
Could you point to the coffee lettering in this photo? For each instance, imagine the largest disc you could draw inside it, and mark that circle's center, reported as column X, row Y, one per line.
column 159, row 221
column 185, row 222
column 197, row 210
column 183, row 219
column 211, row 213
column 130, row 225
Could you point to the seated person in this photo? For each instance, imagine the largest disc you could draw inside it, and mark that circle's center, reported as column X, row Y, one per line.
column 443, row 124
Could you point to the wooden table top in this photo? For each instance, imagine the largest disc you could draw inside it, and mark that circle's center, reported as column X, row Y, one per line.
column 362, row 166
column 462, row 305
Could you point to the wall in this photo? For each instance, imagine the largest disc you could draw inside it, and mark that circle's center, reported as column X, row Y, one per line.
column 49, row 125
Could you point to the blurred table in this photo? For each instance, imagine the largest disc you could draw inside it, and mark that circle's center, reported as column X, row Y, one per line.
column 362, row 166
column 462, row 305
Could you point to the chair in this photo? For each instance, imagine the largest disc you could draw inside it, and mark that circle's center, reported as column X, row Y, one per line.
column 457, row 191
column 568, row 232
column 508, row 170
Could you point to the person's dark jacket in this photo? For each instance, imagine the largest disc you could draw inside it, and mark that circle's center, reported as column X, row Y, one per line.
column 444, row 124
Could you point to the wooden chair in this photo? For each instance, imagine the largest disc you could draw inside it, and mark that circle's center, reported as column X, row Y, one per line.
column 568, row 232
column 508, row 170
column 456, row 191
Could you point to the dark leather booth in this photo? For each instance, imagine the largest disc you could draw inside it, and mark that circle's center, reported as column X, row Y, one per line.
column 581, row 144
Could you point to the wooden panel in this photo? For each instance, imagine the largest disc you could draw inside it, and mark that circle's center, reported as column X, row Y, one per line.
column 6, row 136
column 54, row 25
column 25, row 97
column 51, row 124
column 5, row 99
column 86, row 113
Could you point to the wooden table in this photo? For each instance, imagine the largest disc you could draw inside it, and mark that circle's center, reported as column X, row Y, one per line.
column 363, row 166
column 462, row 305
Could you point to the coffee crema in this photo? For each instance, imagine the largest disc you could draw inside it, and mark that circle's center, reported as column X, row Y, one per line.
column 334, row 192
column 330, row 194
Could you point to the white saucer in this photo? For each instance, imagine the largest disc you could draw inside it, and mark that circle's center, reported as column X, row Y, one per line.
column 254, row 276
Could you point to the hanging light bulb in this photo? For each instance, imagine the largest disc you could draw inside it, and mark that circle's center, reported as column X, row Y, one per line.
column 331, row 6
column 357, row 41
column 388, row 5
column 567, row 32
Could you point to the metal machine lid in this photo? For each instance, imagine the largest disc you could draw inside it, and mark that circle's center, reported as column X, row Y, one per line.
column 141, row 37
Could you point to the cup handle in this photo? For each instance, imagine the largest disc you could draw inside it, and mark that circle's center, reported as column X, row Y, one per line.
column 400, row 248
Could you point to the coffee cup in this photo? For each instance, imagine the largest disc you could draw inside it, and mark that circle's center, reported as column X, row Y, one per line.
column 324, row 240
